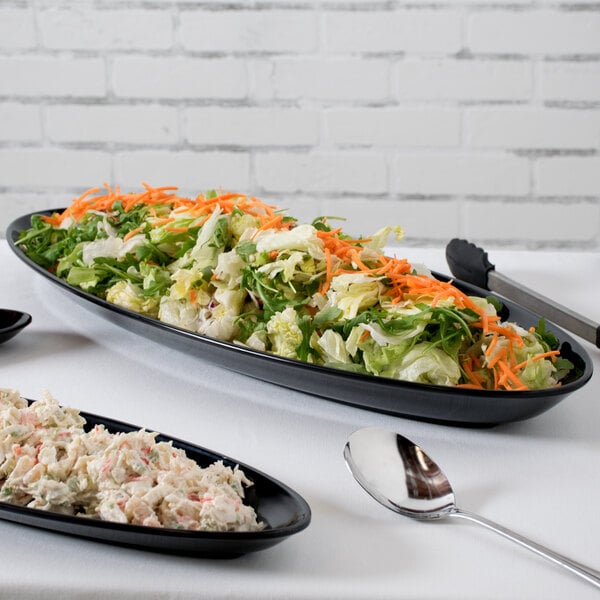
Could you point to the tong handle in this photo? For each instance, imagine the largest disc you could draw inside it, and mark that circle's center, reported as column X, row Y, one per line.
column 471, row 264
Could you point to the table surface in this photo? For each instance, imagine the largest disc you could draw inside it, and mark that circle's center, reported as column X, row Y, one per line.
column 538, row 477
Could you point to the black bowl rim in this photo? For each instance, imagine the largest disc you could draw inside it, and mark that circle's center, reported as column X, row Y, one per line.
column 23, row 319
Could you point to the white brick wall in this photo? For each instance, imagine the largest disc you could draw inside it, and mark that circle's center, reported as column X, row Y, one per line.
column 20, row 122
column 126, row 124
column 462, row 174
column 472, row 80
column 237, row 126
column 76, row 28
column 330, row 79
column 419, row 31
column 17, row 28
column 250, row 31
column 564, row 176
column 41, row 168
column 473, row 118
column 532, row 128
column 43, row 76
column 178, row 78
column 192, row 171
column 546, row 32
column 577, row 81
column 394, row 127
column 353, row 173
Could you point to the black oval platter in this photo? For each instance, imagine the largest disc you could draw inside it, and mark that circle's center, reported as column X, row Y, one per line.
column 433, row 403
column 283, row 511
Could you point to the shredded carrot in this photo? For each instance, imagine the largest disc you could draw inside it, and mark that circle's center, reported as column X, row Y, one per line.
column 131, row 233
column 475, row 379
column 337, row 246
column 511, row 355
column 177, row 229
column 328, row 274
column 498, row 356
column 271, row 223
column 550, row 354
column 492, row 345
column 163, row 195
column 496, row 383
column 509, row 375
column 164, row 221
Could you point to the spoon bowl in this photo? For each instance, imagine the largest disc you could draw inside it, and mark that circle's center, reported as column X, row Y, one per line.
column 11, row 323
column 398, row 474
column 402, row 477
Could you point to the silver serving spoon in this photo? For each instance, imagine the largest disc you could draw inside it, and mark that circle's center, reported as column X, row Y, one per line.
column 399, row 475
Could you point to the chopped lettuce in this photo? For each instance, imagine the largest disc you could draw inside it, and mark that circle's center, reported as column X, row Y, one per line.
column 129, row 295
column 284, row 333
column 230, row 267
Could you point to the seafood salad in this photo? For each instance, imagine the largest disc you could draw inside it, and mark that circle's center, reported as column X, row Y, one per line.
column 48, row 461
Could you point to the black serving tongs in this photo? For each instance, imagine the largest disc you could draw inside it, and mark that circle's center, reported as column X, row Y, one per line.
column 470, row 263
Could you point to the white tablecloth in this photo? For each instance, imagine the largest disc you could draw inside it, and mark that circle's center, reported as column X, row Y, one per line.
column 539, row 477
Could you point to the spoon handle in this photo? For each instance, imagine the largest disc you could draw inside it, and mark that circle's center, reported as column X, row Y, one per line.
column 586, row 573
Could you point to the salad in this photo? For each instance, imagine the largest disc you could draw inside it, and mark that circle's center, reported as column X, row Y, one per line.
column 230, row 266
column 48, row 461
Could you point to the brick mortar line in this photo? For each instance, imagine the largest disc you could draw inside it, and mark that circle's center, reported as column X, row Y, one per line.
column 555, row 152
column 236, row 6
column 245, row 55
column 291, row 105
column 114, row 148
column 442, row 104
column 363, row 7
column 572, row 104
column 386, row 152
column 105, row 101
column 280, row 104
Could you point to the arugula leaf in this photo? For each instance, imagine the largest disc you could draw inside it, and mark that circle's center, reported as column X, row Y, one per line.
column 152, row 253
column 249, row 322
column 273, row 300
column 156, row 280
column 221, row 236
column 495, row 303
column 326, row 316
column 547, row 338
column 304, row 349
column 245, row 250
column 320, row 223
column 45, row 244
